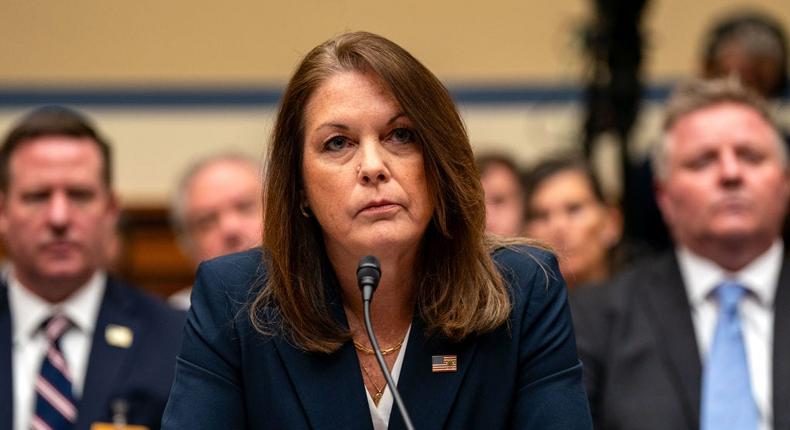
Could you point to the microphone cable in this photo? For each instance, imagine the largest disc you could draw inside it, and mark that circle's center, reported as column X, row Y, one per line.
column 368, row 276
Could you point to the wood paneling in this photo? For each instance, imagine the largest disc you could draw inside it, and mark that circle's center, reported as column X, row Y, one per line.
column 150, row 256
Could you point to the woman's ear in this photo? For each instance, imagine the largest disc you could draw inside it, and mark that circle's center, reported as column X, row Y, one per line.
column 304, row 207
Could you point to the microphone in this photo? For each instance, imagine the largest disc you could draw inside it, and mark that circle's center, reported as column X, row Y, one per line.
column 368, row 276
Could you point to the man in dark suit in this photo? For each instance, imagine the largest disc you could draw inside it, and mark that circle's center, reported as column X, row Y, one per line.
column 76, row 346
column 700, row 337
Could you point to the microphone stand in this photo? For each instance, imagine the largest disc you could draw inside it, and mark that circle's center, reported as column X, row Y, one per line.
column 368, row 276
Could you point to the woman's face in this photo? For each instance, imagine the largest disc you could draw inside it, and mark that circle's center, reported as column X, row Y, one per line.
column 364, row 177
column 566, row 215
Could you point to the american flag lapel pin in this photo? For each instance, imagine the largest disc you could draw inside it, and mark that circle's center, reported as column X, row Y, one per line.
column 444, row 363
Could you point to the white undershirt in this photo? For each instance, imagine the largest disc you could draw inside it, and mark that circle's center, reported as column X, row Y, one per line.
column 181, row 299
column 756, row 311
column 381, row 414
column 29, row 345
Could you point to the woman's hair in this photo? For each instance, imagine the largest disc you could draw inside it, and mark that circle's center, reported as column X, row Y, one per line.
column 616, row 257
column 551, row 167
column 459, row 291
column 755, row 32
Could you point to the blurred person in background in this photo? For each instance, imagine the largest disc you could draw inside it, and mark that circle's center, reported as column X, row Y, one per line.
column 504, row 195
column 699, row 337
column 566, row 209
column 216, row 210
column 747, row 45
column 77, row 346
column 750, row 45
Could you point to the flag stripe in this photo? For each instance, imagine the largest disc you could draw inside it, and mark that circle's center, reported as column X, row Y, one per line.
column 444, row 363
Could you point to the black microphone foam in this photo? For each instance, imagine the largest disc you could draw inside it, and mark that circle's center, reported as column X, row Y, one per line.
column 368, row 275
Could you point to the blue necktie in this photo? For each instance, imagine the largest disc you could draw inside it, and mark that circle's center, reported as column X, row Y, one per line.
column 55, row 406
column 727, row 401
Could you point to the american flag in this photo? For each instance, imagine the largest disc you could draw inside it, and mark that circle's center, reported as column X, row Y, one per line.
column 444, row 363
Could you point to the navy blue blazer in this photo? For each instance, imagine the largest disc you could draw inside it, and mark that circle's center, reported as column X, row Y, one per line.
column 525, row 374
column 141, row 374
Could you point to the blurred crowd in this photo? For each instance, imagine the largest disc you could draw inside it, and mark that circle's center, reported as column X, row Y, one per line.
column 685, row 326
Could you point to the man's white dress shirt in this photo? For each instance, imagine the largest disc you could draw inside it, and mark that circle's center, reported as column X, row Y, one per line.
column 29, row 344
column 701, row 276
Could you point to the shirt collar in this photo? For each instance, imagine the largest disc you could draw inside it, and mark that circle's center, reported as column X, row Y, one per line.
column 701, row 275
column 29, row 311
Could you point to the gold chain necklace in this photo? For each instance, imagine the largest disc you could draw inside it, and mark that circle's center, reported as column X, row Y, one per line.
column 369, row 351
column 379, row 391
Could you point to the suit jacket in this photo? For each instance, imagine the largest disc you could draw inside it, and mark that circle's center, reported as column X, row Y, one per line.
column 141, row 374
column 642, row 367
column 522, row 375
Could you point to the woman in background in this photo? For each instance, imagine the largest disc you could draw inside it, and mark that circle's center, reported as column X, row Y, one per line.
column 567, row 210
column 504, row 195
column 369, row 156
column 751, row 46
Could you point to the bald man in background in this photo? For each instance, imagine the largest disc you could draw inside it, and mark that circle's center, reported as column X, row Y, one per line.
column 217, row 210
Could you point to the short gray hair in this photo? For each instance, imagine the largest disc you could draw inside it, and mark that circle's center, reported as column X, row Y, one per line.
column 178, row 201
column 698, row 94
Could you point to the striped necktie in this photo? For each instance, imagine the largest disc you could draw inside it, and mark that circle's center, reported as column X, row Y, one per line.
column 727, row 401
column 55, row 405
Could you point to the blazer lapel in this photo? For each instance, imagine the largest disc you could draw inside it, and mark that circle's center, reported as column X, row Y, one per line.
column 669, row 313
column 781, row 342
column 329, row 386
column 106, row 361
column 332, row 386
column 6, row 370
column 429, row 396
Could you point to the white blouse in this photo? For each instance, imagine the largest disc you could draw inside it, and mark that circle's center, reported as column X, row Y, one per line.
column 381, row 413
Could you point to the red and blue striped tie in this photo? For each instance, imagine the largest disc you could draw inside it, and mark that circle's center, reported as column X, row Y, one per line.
column 55, row 405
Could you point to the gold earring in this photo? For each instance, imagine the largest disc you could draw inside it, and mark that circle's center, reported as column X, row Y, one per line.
column 303, row 209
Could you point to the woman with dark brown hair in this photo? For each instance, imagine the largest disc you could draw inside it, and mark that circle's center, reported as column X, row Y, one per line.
column 369, row 156
column 567, row 209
